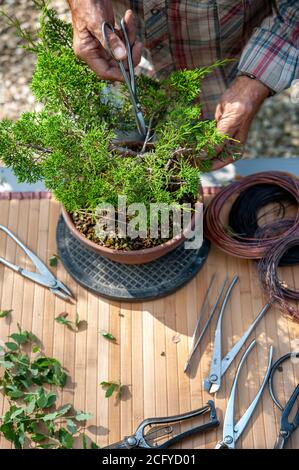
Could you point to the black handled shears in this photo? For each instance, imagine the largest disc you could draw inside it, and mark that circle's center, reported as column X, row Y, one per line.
column 160, row 428
column 287, row 427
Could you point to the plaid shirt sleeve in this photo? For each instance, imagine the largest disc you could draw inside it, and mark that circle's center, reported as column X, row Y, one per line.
column 272, row 53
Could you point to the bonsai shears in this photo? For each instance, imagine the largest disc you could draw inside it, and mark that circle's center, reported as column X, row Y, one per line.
column 286, row 427
column 220, row 365
column 159, row 428
column 232, row 431
column 44, row 277
column 129, row 76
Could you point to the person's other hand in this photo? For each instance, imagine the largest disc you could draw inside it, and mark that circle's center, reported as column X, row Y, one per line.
column 237, row 107
column 88, row 17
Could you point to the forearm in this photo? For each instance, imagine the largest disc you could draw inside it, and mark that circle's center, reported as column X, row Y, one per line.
column 271, row 54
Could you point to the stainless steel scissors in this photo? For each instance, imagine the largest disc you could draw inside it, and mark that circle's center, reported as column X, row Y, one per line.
column 232, row 431
column 44, row 277
column 286, row 427
column 129, row 78
column 220, row 365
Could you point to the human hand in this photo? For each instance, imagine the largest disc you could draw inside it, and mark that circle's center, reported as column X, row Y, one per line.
column 88, row 17
column 237, row 107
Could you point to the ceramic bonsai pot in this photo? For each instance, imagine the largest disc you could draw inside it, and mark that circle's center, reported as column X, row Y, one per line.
column 134, row 256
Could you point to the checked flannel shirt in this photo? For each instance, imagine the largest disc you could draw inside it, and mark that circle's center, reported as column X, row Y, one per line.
column 189, row 33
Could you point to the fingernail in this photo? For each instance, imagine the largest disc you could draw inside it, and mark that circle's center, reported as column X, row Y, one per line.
column 119, row 53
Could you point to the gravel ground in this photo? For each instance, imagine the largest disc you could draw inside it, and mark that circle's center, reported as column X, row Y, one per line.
column 275, row 131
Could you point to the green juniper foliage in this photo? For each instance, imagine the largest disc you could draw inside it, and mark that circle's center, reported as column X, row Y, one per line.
column 32, row 418
column 70, row 144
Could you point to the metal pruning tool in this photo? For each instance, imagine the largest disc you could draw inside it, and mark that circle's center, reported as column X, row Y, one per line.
column 220, row 365
column 232, row 431
column 129, row 76
column 159, row 428
column 197, row 337
column 44, row 277
column 286, row 427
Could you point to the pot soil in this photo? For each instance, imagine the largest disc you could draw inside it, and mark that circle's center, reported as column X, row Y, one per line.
column 125, row 251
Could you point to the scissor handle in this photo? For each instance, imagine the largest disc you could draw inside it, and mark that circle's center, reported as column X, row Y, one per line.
column 210, row 407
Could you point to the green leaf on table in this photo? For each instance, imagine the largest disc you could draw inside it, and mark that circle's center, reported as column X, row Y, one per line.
column 80, row 416
column 5, row 313
column 12, row 346
column 31, row 406
column 53, row 261
column 50, row 416
column 61, row 319
column 110, row 390
column 38, row 437
column 35, row 349
column 65, row 438
column 107, row 335
column 6, row 364
column 71, row 427
column 93, row 445
column 20, row 338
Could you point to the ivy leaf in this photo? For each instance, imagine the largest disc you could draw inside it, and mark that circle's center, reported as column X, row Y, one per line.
column 107, row 335
column 65, row 438
column 38, row 437
column 20, row 338
column 51, row 399
column 80, row 416
column 42, row 399
column 16, row 413
column 6, row 364
column 53, row 261
column 61, row 319
column 71, row 427
column 12, row 346
column 110, row 390
column 5, row 313
column 50, row 416
column 31, row 406
column 35, row 349
column 93, row 445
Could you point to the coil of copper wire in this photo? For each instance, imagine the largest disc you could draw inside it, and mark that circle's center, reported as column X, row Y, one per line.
column 278, row 289
column 216, row 228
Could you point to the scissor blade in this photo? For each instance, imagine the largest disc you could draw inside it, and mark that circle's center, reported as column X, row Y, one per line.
column 230, row 356
column 213, row 383
column 242, row 423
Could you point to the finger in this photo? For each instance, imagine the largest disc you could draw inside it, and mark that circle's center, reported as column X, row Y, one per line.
column 107, row 70
column 218, row 163
column 136, row 53
column 131, row 27
column 218, row 112
column 115, row 44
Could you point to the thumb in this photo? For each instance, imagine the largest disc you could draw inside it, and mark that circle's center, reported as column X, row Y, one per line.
column 115, row 44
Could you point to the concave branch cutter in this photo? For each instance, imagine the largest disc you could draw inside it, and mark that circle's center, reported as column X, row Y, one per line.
column 286, row 427
column 220, row 365
column 232, row 431
column 161, row 427
column 44, row 277
column 129, row 76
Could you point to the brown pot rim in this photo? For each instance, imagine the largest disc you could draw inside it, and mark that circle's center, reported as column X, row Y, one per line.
column 123, row 253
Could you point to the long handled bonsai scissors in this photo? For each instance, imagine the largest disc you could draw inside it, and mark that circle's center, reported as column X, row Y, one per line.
column 286, row 427
column 129, row 77
column 220, row 365
column 232, row 431
column 44, row 277
column 161, row 427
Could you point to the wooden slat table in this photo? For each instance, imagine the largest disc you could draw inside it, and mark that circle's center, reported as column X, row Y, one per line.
column 152, row 339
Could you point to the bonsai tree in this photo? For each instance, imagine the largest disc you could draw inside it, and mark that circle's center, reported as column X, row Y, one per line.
column 71, row 144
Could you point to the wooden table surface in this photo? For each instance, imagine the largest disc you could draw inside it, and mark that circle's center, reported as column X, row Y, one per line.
column 152, row 340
